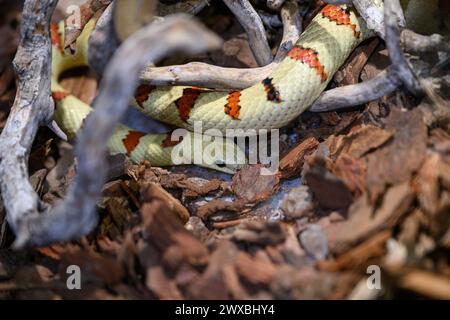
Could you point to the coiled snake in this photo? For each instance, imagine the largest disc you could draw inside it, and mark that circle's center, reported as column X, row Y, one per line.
column 272, row 103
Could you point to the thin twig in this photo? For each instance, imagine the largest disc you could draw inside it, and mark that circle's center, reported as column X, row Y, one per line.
column 357, row 94
column 398, row 60
column 417, row 43
column 292, row 28
column 210, row 76
column 253, row 26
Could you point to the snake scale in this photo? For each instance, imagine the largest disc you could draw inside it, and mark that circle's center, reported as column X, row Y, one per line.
column 272, row 103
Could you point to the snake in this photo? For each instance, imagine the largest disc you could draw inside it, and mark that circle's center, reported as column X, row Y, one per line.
column 272, row 103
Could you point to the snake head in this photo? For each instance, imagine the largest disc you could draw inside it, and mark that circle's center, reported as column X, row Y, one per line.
column 223, row 155
column 210, row 152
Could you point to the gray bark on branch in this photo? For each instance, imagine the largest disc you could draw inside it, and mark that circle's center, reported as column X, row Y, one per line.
column 34, row 222
column 32, row 107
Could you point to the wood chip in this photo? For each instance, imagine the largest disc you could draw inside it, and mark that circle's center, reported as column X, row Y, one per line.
column 251, row 185
column 292, row 163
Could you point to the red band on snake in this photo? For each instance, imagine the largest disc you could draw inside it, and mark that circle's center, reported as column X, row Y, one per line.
column 55, row 37
column 341, row 16
column 132, row 140
column 186, row 102
column 142, row 94
column 168, row 142
column 309, row 57
column 60, row 95
column 232, row 108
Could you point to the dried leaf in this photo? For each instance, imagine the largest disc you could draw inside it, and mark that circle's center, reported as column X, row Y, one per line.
column 330, row 191
column 254, row 271
column 359, row 141
column 395, row 162
column 364, row 221
column 155, row 192
column 353, row 172
column 164, row 230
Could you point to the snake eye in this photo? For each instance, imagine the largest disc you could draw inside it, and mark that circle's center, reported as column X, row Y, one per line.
column 220, row 164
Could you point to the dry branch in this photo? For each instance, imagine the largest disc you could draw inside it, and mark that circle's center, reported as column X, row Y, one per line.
column 292, row 28
column 32, row 107
column 32, row 221
column 206, row 75
column 357, row 94
column 132, row 15
column 252, row 24
column 103, row 42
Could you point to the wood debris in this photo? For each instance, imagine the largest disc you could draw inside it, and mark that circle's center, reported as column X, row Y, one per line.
column 354, row 188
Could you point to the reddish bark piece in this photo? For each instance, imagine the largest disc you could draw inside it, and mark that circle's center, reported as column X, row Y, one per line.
column 94, row 266
column 292, row 163
column 216, row 205
column 253, row 270
column 330, row 191
column 132, row 140
column 341, row 16
column 165, row 231
column 252, row 186
column 232, row 108
column 309, row 57
column 364, row 221
column 156, row 192
column 353, row 172
column 359, row 141
column 143, row 93
column 396, row 161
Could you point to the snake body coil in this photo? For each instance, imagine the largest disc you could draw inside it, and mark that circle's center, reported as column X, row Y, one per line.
column 272, row 103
